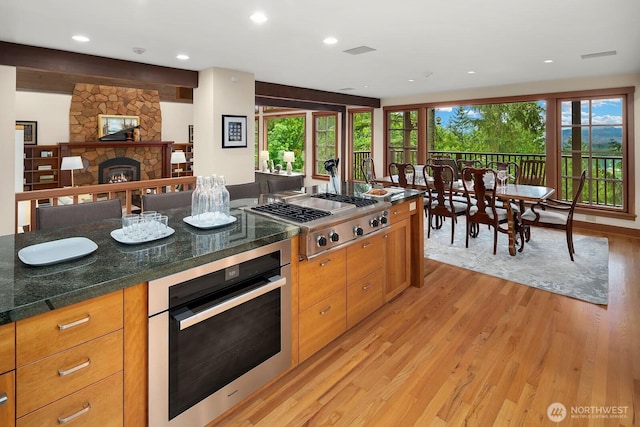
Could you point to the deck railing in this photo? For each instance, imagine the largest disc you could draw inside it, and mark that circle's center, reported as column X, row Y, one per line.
column 604, row 186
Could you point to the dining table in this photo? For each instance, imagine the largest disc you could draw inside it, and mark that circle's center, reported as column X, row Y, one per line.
column 523, row 194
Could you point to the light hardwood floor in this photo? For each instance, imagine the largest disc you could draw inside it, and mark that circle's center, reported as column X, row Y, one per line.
column 472, row 350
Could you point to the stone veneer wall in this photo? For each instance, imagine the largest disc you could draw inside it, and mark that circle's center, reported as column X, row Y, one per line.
column 89, row 100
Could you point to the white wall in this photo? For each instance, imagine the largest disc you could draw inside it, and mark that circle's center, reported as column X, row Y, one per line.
column 223, row 92
column 7, row 147
column 537, row 88
column 176, row 118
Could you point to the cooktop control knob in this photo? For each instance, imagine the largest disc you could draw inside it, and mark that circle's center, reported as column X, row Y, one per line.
column 383, row 220
column 358, row 231
column 334, row 237
column 374, row 222
column 321, row 241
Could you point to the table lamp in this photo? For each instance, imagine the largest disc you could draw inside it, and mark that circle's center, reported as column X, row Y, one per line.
column 264, row 160
column 178, row 157
column 70, row 164
column 289, row 157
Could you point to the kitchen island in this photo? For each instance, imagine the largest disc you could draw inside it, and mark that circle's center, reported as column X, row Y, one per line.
column 110, row 287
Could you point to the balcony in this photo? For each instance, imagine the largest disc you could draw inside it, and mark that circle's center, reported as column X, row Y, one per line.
column 604, row 187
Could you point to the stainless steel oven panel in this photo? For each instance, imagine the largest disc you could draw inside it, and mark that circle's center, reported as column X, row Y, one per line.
column 233, row 393
column 195, row 318
column 159, row 288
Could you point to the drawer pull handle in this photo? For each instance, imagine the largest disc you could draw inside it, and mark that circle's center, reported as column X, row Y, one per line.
column 324, row 263
column 76, row 323
column 3, row 398
column 75, row 368
column 386, row 236
column 76, row 415
column 366, row 287
column 325, row 311
column 366, row 245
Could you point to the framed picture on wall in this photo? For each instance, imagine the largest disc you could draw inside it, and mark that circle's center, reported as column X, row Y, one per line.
column 30, row 129
column 234, row 131
column 108, row 124
column 191, row 134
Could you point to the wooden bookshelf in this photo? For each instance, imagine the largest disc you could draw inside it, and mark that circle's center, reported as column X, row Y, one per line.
column 41, row 167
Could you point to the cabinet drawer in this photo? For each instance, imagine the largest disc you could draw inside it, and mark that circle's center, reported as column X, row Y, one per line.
column 7, row 347
column 402, row 210
column 364, row 256
column 49, row 333
column 63, row 373
column 322, row 323
column 364, row 297
column 321, row 277
column 99, row 405
column 8, row 399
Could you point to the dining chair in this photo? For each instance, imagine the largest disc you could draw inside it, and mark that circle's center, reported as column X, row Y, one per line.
column 403, row 174
column 164, row 201
column 50, row 217
column 553, row 213
column 247, row 190
column 294, row 183
column 484, row 210
column 368, row 170
column 512, row 168
column 439, row 203
column 468, row 163
column 449, row 162
column 532, row 172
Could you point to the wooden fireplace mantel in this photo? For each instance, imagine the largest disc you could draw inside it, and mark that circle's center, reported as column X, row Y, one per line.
column 67, row 147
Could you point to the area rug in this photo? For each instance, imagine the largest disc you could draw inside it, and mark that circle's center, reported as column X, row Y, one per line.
column 544, row 263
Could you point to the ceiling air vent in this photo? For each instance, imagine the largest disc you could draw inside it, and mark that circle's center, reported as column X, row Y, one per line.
column 599, row 54
column 346, row 88
column 359, row 50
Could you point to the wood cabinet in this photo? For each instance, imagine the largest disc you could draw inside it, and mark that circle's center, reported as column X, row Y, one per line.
column 41, row 167
column 183, row 169
column 322, row 301
column 397, row 252
column 69, row 364
column 7, row 375
column 365, row 277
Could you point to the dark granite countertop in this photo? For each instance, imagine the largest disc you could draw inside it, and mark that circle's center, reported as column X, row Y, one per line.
column 26, row 290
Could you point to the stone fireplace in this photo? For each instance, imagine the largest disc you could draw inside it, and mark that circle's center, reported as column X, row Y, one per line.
column 118, row 169
column 139, row 161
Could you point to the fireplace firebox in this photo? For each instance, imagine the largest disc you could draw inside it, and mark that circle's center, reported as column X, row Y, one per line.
column 118, row 169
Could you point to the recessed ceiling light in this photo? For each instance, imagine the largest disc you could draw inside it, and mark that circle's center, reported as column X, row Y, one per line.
column 182, row 57
column 258, row 18
column 80, row 38
column 471, row 72
column 411, row 80
column 330, row 40
column 548, row 61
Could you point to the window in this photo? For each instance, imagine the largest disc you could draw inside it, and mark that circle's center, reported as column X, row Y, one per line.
column 592, row 137
column 402, row 136
column 325, row 141
column 256, row 144
column 571, row 131
column 361, row 122
column 286, row 133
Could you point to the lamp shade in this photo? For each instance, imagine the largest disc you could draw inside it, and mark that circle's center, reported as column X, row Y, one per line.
column 264, row 155
column 71, row 163
column 178, row 157
column 288, row 156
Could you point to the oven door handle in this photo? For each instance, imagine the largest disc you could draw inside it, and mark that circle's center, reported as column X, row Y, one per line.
column 195, row 318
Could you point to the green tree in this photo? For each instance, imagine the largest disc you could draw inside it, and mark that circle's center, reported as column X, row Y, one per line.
column 286, row 134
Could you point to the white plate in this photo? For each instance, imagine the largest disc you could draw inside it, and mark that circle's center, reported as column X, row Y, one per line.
column 57, row 251
column 390, row 192
column 209, row 224
column 119, row 236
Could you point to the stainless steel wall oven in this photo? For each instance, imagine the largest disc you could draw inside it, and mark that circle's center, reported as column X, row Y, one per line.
column 217, row 333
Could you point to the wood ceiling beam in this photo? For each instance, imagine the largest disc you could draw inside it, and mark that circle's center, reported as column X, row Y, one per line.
column 89, row 65
column 278, row 91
